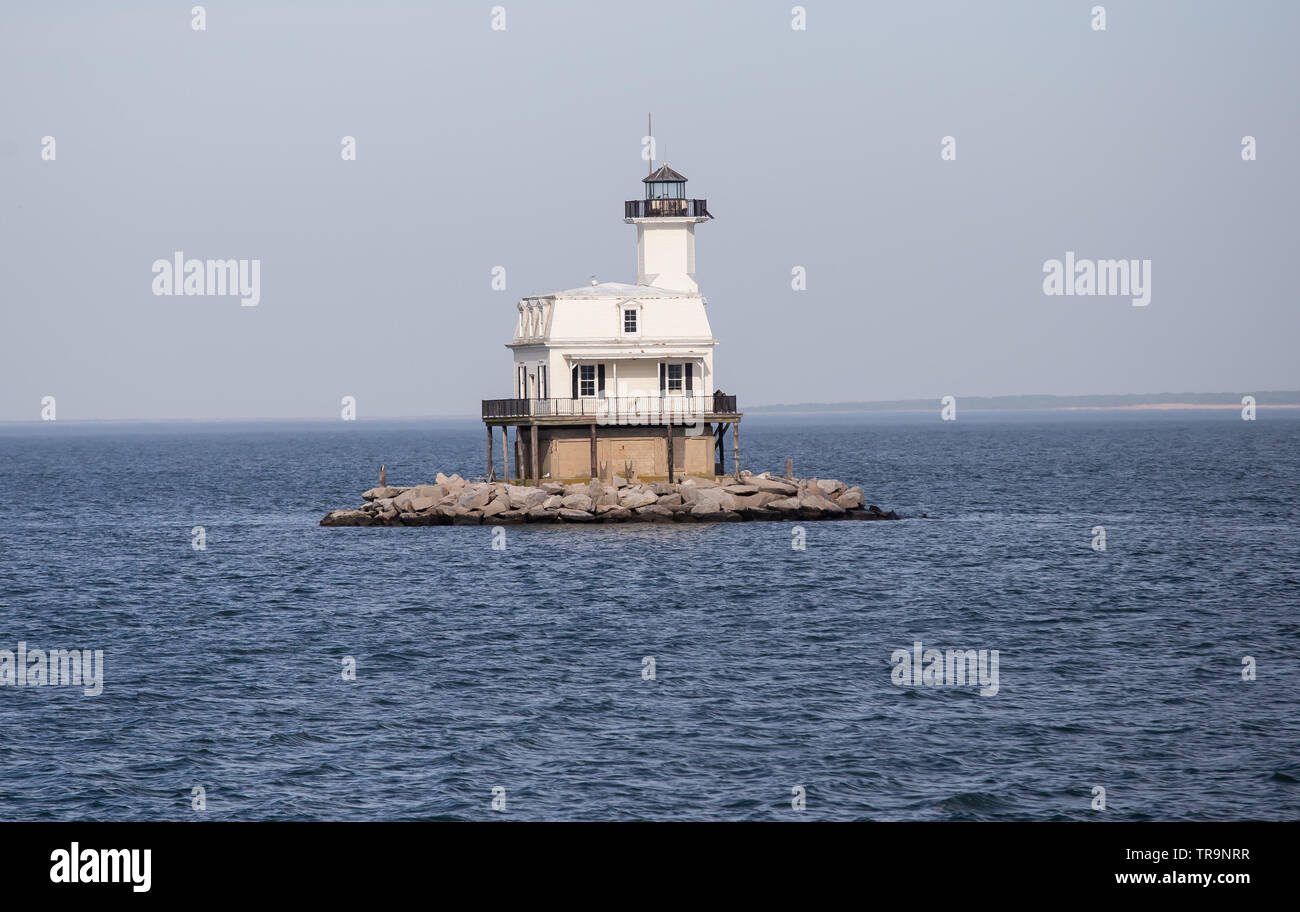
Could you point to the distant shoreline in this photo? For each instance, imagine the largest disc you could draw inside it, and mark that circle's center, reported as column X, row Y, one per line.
column 1175, row 402
column 1151, row 407
column 1156, row 402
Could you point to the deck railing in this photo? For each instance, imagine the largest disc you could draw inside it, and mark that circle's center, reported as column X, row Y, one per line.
column 616, row 409
column 666, row 208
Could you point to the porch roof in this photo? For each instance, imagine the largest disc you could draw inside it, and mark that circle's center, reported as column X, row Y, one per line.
column 624, row 355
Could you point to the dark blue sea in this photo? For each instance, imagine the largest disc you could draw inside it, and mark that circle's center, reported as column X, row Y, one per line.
column 522, row 669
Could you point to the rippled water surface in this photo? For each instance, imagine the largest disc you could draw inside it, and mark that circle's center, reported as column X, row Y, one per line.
column 523, row 668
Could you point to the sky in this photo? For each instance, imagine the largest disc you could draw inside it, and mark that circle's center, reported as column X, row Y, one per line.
column 478, row 147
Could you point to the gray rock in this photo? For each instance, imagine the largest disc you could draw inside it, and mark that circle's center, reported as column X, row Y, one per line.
column 523, row 498
column 851, row 499
column 830, row 487
column 812, row 499
column 756, row 501
column 771, row 485
column 382, row 492
column 499, row 504
column 347, row 518
column 577, row 501
column 576, row 515
column 475, row 497
column 633, row 499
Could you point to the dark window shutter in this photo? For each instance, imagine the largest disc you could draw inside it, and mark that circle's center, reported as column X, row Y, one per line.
column 663, row 379
column 575, row 381
column 690, row 370
column 600, row 380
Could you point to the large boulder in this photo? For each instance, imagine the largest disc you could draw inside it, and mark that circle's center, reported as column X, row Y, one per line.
column 499, row 504
column 347, row 518
column 577, row 501
column 812, row 500
column 419, row 498
column 831, row 487
column 851, row 498
column 552, row 502
column 771, row 485
column 523, row 497
column 382, row 493
column 756, row 501
column 475, row 497
column 654, row 513
column 576, row 515
column 714, row 499
column 633, row 498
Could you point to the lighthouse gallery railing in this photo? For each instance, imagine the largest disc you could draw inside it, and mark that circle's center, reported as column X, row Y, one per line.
column 616, row 409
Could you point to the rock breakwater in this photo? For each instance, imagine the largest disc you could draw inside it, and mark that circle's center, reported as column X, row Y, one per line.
column 451, row 500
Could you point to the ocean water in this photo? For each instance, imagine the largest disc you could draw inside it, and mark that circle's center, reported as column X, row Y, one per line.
column 523, row 669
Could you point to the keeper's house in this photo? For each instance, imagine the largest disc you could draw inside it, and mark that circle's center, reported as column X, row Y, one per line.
column 610, row 378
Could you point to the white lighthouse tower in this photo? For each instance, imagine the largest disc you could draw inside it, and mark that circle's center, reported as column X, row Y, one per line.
column 610, row 377
column 665, row 231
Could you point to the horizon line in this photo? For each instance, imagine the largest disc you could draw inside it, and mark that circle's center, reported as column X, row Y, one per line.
column 1059, row 403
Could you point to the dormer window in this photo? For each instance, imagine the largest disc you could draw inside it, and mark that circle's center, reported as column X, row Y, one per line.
column 630, row 324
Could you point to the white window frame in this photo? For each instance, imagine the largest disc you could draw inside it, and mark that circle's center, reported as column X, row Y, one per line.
column 681, row 379
column 583, row 381
column 622, row 320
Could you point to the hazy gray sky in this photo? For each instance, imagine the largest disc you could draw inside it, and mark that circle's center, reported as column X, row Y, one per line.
column 478, row 148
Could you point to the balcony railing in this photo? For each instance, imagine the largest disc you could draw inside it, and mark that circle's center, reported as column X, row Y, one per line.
column 666, row 208
column 616, row 409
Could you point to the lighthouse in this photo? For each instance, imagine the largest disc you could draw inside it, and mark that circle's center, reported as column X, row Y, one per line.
column 610, row 378
column 665, row 231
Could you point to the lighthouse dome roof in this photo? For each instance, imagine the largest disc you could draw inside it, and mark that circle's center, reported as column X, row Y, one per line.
column 665, row 175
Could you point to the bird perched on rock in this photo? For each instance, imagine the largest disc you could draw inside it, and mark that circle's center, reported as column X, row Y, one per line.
column 383, row 477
